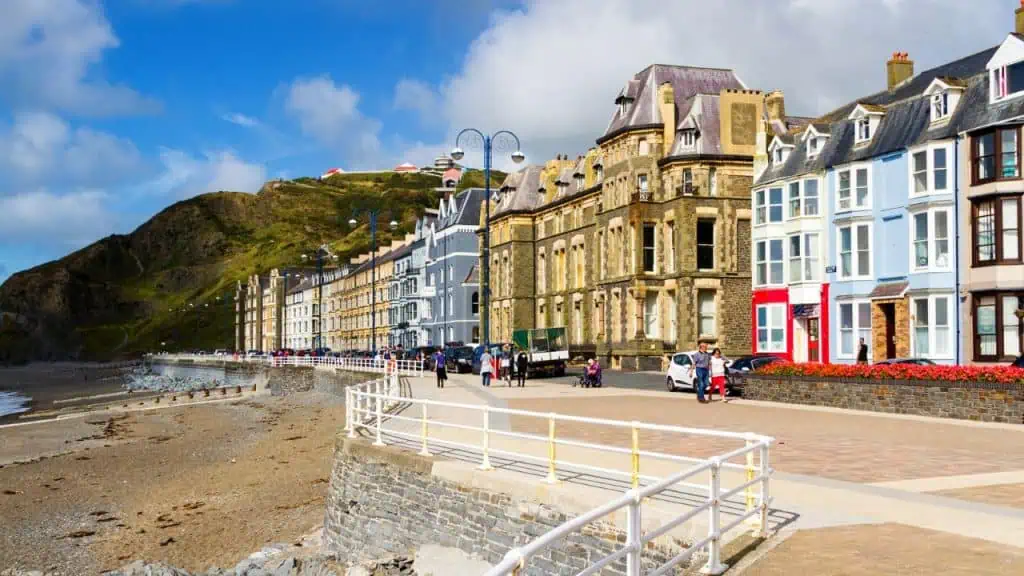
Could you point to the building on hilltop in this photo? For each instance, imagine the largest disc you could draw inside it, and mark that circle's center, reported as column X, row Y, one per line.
column 331, row 172
column 895, row 219
column 640, row 247
column 406, row 167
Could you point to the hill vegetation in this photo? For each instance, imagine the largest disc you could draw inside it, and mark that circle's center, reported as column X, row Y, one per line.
column 172, row 280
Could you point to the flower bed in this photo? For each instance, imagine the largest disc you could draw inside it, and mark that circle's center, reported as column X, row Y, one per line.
column 992, row 374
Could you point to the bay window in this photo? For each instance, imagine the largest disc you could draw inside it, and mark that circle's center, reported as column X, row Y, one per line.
column 932, row 336
column 811, row 197
column 929, row 232
column 775, row 205
column 995, row 155
column 794, row 199
column 771, row 328
column 768, row 262
column 854, row 325
column 854, row 188
column 803, row 258
column 760, row 207
column 996, row 230
column 929, row 170
column 855, row 251
column 998, row 331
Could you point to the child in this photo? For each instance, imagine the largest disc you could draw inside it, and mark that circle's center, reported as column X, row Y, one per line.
column 717, row 373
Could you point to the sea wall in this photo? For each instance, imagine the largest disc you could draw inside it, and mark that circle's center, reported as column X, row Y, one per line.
column 280, row 380
column 981, row 401
column 385, row 501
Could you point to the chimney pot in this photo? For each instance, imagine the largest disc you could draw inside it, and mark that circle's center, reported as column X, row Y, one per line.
column 898, row 69
column 1019, row 18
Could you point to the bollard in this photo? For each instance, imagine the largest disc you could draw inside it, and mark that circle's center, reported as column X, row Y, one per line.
column 552, row 476
column 486, row 463
column 223, row 391
column 238, row 389
column 424, row 451
column 206, row 393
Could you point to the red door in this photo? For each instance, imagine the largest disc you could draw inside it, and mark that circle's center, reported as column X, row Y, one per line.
column 812, row 340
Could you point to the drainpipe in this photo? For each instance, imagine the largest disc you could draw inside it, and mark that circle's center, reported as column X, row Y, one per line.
column 956, row 262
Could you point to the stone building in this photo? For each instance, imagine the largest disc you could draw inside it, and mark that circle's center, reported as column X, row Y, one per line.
column 640, row 247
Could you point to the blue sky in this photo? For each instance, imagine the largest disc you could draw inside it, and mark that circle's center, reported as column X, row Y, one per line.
column 112, row 110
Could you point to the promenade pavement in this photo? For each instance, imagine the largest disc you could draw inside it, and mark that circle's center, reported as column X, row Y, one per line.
column 835, row 468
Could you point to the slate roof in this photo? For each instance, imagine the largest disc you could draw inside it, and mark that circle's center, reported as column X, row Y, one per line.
column 306, row 284
column 907, row 119
column 889, row 290
column 473, row 278
column 686, row 82
column 520, row 191
column 702, row 114
column 467, row 209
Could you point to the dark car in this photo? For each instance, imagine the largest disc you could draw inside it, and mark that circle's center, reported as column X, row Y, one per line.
column 1019, row 362
column 743, row 365
column 915, row 361
column 428, row 355
column 459, row 359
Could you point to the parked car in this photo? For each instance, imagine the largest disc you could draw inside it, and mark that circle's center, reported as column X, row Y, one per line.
column 735, row 371
column 428, row 355
column 916, row 361
column 220, row 352
column 679, row 371
column 1019, row 362
column 459, row 359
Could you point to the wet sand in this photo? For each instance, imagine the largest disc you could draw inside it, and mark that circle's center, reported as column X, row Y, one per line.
column 195, row 487
column 50, row 383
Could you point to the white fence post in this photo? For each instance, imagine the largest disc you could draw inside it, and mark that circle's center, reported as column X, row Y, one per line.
column 350, row 412
column 486, row 463
column 748, row 492
column 552, row 475
column 424, row 451
column 714, row 565
column 765, row 493
column 380, row 413
column 633, row 532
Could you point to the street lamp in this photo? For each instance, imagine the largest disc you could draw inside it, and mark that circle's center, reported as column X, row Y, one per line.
column 517, row 157
column 372, row 214
column 322, row 252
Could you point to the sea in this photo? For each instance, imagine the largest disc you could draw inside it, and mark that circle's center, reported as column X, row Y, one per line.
column 13, row 403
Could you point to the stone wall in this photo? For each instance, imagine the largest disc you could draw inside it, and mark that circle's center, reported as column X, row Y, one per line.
column 384, row 501
column 281, row 380
column 981, row 401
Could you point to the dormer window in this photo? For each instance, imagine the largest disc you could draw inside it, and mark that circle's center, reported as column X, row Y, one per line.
column 688, row 138
column 866, row 118
column 1007, row 81
column 815, row 137
column 943, row 95
column 940, row 106
column 779, row 156
column 580, row 182
column 812, row 145
column 779, row 149
column 863, row 129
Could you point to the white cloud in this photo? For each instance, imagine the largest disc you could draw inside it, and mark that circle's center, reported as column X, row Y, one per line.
column 418, row 96
column 49, row 50
column 41, row 148
column 185, row 175
column 551, row 70
column 240, row 119
column 67, row 221
column 330, row 114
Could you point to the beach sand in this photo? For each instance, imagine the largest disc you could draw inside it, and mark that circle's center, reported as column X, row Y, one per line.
column 195, row 486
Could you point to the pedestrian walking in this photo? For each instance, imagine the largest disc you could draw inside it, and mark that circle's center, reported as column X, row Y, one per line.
column 440, row 369
column 717, row 374
column 506, row 365
column 700, row 369
column 862, row 353
column 521, row 365
column 486, row 367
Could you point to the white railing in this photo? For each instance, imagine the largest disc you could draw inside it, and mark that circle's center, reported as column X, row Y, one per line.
column 368, row 403
column 403, row 367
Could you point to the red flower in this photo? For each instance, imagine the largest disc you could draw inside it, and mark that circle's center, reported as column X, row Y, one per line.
column 995, row 374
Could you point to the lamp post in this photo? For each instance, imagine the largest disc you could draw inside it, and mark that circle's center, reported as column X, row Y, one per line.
column 517, row 157
column 372, row 214
column 321, row 253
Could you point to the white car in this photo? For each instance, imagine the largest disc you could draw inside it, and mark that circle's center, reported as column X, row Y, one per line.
column 680, row 375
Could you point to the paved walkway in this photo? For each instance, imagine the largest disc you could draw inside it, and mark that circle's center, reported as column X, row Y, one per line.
column 835, row 468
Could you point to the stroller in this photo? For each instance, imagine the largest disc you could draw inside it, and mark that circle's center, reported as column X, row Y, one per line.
column 588, row 380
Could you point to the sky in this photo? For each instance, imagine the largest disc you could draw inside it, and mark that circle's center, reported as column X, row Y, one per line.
column 110, row 111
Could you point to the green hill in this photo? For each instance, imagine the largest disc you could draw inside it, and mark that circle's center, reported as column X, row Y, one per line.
column 125, row 294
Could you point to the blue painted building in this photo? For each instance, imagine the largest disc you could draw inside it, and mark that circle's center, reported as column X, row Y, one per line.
column 452, row 288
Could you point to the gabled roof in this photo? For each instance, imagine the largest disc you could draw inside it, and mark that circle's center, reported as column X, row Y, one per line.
column 787, row 140
column 520, row 191
column 686, row 82
column 702, row 115
column 818, row 128
column 866, row 108
column 1008, row 51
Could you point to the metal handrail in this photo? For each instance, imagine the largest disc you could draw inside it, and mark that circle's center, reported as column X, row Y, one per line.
column 412, row 368
column 367, row 403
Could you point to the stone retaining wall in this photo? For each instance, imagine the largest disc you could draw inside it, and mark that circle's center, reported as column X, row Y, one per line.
column 982, row 401
column 384, row 501
column 281, row 380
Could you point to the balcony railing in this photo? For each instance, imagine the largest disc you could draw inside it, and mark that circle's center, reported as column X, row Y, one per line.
column 643, row 195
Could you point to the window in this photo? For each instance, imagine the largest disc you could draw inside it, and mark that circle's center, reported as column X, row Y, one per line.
column 940, row 106
column 641, row 184
column 760, row 207
column 1007, row 81
column 996, row 155
column 542, row 273
column 863, row 129
column 651, row 325
column 705, row 244
column 855, row 251
column 932, row 337
column 811, row 197
column 858, row 179
column 768, row 261
column 670, row 246
column 996, row 231
column 919, row 160
column 998, row 332
column 930, row 237
column 771, row 328
column 580, row 182
column 794, row 199
column 673, row 317
column 475, row 304
column 687, row 138
column 803, row 257
column 713, row 182
column 780, row 155
column 775, row 205
column 929, row 170
column 854, row 325
column 687, row 181
column 706, row 313
column 812, row 146
column 642, row 147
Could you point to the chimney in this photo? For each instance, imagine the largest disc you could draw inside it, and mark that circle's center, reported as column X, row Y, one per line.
column 1019, row 13
column 667, row 107
column 900, row 67
column 775, row 103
